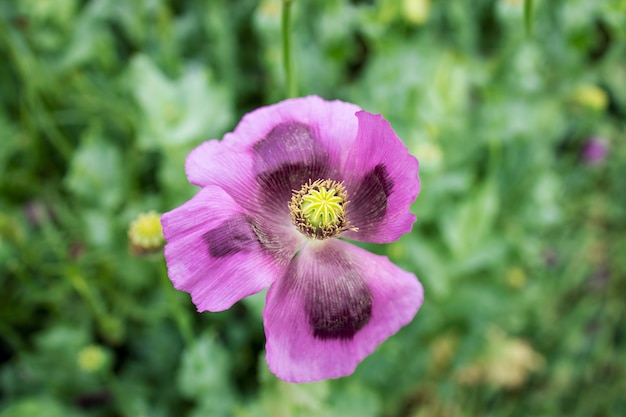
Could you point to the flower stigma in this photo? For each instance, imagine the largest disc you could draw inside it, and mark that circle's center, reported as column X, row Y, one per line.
column 318, row 209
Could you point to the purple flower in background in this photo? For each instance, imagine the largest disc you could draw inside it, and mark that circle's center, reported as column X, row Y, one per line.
column 595, row 151
column 276, row 195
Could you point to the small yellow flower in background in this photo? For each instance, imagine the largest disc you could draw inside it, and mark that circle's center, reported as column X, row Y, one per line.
column 92, row 358
column 507, row 363
column 516, row 277
column 145, row 234
column 416, row 11
column 591, row 96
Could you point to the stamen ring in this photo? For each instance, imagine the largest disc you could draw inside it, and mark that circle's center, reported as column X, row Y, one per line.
column 318, row 209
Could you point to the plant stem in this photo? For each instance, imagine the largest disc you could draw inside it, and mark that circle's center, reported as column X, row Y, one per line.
column 290, row 79
column 528, row 15
column 180, row 317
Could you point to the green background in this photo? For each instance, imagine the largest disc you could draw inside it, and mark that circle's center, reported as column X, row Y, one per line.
column 520, row 241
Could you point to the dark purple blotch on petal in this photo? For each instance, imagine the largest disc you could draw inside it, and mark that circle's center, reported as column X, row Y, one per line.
column 368, row 202
column 280, row 182
column 338, row 307
column 288, row 156
column 380, row 175
column 230, row 237
column 287, row 142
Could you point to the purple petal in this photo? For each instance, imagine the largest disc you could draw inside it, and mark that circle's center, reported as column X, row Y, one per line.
column 331, row 123
column 218, row 253
column 294, row 141
column 382, row 182
column 287, row 157
column 274, row 150
column 226, row 166
column 333, row 306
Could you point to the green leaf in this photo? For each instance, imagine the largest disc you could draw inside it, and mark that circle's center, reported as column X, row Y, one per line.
column 469, row 226
column 204, row 376
column 355, row 400
column 178, row 112
column 38, row 406
column 96, row 173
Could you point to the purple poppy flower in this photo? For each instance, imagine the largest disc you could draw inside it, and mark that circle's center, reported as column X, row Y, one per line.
column 276, row 195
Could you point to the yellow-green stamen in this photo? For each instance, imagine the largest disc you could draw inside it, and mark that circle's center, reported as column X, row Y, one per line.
column 318, row 209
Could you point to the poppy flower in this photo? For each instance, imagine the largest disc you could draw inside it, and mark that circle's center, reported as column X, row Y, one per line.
column 279, row 197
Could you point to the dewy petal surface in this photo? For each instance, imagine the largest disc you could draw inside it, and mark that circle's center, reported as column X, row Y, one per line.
column 382, row 182
column 333, row 306
column 218, row 253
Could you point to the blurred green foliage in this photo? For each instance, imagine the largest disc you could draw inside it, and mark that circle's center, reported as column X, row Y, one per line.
column 520, row 240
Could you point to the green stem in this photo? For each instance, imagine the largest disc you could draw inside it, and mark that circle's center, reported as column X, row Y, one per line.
column 92, row 298
column 180, row 317
column 528, row 15
column 290, row 79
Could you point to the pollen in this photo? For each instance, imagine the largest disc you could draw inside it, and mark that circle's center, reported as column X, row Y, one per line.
column 145, row 233
column 318, row 209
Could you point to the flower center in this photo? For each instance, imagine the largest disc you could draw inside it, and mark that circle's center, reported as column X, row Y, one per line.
column 322, row 207
column 318, row 209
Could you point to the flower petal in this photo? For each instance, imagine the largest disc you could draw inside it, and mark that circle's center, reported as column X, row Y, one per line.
column 331, row 123
column 382, row 182
column 294, row 141
column 220, row 254
column 287, row 157
column 332, row 307
column 224, row 165
column 274, row 150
